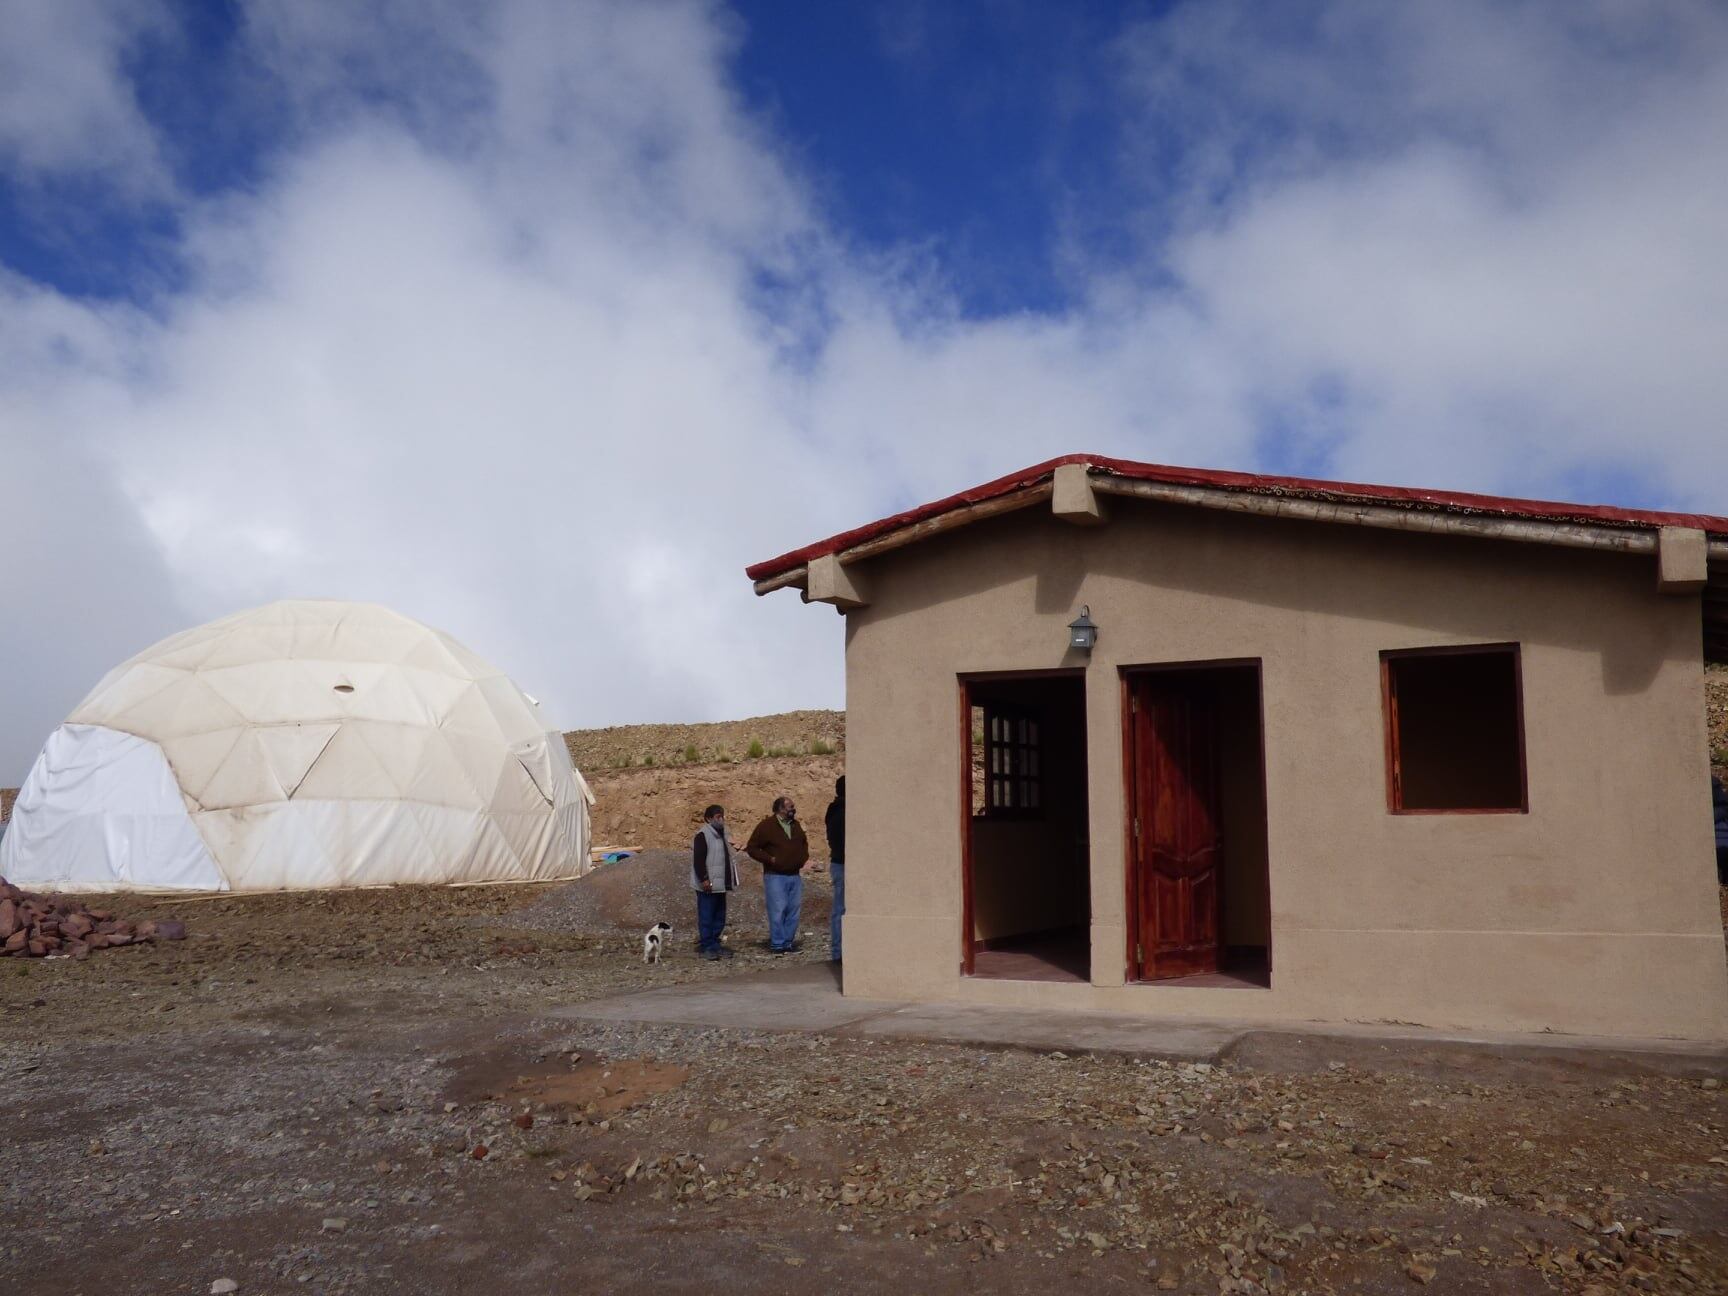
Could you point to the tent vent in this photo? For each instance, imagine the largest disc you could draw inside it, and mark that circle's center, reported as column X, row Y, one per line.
column 344, row 688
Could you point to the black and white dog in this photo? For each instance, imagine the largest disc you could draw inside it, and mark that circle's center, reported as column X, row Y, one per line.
column 654, row 941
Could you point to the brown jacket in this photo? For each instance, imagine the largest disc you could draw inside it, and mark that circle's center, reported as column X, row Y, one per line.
column 776, row 852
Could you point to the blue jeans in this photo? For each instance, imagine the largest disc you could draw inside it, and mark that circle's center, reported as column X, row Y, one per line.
column 710, row 919
column 785, row 896
column 837, row 871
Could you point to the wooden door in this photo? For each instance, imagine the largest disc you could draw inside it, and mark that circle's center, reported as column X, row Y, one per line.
column 1177, row 847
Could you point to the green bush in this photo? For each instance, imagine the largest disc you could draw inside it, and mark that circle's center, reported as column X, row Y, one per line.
column 648, row 759
column 690, row 754
column 820, row 748
column 754, row 751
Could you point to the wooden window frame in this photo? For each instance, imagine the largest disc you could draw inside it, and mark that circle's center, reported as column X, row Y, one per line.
column 1389, row 713
column 1026, row 786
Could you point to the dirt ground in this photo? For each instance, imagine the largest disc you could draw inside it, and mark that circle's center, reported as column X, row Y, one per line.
column 370, row 1091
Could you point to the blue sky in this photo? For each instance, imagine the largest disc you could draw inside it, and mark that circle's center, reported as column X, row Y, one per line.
column 407, row 301
column 973, row 136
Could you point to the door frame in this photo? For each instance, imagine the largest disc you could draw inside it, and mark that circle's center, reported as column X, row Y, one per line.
column 965, row 679
column 1131, row 966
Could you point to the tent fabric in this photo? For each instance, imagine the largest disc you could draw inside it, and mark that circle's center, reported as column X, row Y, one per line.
column 303, row 744
column 101, row 810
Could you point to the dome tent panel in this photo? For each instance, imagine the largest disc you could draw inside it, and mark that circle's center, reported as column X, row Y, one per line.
column 292, row 750
column 195, row 758
column 101, row 810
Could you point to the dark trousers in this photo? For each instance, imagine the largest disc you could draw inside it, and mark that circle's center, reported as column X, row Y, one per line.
column 710, row 919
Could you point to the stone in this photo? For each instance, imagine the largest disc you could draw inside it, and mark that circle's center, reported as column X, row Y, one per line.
column 222, row 1286
column 334, row 1224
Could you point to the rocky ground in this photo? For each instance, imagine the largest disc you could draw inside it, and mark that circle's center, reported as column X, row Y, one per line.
column 372, row 1091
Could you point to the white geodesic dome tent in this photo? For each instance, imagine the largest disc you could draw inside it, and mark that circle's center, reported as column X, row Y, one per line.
column 303, row 744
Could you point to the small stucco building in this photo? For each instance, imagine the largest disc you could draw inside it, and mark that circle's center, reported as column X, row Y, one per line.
column 1136, row 739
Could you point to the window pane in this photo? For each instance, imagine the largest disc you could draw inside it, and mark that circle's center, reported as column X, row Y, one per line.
column 1457, row 739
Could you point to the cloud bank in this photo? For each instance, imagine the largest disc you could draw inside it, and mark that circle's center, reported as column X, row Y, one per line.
column 529, row 327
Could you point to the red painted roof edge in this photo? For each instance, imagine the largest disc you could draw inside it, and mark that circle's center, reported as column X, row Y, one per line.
column 1252, row 483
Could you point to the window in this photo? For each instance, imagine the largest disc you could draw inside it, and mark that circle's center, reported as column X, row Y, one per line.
column 1013, row 764
column 1454, row 730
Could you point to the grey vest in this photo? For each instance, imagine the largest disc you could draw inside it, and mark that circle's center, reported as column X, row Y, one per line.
column 722, row 872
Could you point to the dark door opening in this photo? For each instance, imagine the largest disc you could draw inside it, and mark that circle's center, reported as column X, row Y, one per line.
column 1198, row 895
column 1028, row 892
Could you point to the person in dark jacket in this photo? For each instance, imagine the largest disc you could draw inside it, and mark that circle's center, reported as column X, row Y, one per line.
column 712, row 876
column 1719, row 806
column 835, row 822
column 779, row 845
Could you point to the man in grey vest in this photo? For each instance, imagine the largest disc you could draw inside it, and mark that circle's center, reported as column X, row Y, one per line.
column 712, row 875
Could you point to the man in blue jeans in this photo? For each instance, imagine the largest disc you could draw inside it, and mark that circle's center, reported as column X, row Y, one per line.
column 780, row 847
column 835, row 822
column 712, row 875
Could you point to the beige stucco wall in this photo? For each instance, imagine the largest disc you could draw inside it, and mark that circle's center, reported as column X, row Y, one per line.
column 1595, row 912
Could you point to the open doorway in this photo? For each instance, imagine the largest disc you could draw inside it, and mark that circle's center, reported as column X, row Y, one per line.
column 1028, row 895
column 1198, row 896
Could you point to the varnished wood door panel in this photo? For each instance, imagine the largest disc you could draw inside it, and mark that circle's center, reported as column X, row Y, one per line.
column 1178, row 833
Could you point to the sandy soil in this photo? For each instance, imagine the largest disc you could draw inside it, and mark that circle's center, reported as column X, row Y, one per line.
column 297, row 1096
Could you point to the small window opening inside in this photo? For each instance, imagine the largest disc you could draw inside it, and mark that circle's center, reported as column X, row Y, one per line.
column 344, row 688
column 1008, row 758
column 1455, row 730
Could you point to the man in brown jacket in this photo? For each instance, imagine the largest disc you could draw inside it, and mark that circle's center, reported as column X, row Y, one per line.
column 780, row 847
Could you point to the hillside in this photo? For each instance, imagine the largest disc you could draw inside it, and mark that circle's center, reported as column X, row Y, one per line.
column 652, row 782
column 663, row 806
column 792, row 733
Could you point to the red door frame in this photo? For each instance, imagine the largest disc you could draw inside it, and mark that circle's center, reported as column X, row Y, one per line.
column 968, row 943
column 1130, row 873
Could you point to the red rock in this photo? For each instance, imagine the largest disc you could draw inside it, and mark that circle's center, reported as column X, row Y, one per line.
column 170, row 929
column 78, row 950
column 37, row 947
column 480, row 1151
column 118, row 938
column 146, row 930
column 96, row 940
column 524, row 1121
column 15, row 941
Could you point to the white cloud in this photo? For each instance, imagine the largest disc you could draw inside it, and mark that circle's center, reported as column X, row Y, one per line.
column 488, row 341
column 65, row 104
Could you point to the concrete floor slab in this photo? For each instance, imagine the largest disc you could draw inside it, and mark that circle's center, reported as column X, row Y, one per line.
column 807, row 997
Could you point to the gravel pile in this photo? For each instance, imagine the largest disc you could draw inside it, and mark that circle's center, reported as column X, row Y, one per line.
column 37, row 926
column 654, row 886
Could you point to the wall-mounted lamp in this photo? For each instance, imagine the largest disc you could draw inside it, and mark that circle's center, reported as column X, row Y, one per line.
column 1082, row 631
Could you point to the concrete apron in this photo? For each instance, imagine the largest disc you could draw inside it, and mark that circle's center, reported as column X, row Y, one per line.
column 807, row 999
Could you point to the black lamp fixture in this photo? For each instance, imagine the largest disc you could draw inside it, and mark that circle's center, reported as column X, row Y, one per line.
column 1082, row 631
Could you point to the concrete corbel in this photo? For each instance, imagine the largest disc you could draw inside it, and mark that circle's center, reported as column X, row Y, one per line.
column 1072, row 498
column 829, row 582
column 1682, row 560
